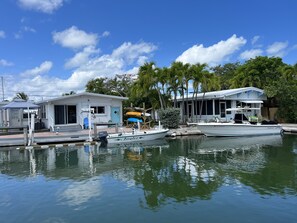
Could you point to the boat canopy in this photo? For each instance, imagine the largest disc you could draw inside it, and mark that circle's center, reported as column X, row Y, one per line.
column 242, row 109
column 252, row 102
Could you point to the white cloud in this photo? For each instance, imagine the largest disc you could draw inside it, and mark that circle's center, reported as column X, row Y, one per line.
column 129, row 52
column 5, row 63
column 105, row 34
column 46, row 6
column 81, row 57
column 2, row 34
column 255, row 40
column 24, row 29
column 124, row 59
column 42, row 69
column 249, row 54
column 277, row 49
column 74, row 38
column 214, row 54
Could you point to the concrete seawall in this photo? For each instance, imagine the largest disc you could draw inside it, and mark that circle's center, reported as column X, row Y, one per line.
column 83, row 135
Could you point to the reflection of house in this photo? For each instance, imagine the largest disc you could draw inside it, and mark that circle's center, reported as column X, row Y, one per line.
column 214, row 104
column 72, row 111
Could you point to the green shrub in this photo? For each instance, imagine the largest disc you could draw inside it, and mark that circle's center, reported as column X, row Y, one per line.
column 169, row 117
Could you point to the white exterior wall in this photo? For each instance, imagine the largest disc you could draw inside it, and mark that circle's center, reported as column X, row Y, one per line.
column 82, row 104
column 244, row 95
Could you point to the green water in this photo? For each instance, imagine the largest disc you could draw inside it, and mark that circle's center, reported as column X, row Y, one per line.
column 189, row 179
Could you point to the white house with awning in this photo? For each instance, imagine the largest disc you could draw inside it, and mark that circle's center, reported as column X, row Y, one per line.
column 73, row 111
column 211, row 105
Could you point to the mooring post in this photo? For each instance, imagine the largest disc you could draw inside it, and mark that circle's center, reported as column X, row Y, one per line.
column 95, row 130
column 25, row 130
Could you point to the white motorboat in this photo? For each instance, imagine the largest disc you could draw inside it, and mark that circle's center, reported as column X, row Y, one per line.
column 239, row 127
column 135, row 136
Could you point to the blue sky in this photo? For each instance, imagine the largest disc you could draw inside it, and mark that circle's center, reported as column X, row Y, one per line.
column 50, row 47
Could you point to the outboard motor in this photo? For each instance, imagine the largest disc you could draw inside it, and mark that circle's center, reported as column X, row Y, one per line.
column 102, row 136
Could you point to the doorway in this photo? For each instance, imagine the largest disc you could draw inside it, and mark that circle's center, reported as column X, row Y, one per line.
column 223, row 109
column 115, row 114
column 65, row 114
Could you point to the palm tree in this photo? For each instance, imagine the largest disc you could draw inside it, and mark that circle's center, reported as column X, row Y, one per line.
column 22, row 95
column 197, row 73
column 148, row 83
column 209, row 82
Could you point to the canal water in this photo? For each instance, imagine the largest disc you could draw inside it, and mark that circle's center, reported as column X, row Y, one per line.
column 188, row 179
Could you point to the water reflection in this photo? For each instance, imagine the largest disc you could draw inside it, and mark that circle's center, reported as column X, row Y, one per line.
column 182, row 169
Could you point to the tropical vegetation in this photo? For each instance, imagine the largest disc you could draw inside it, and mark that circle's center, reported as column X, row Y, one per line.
column 159, row 88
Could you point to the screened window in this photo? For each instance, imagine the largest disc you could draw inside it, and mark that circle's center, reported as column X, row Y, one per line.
column 98, row 109
column 209, row 108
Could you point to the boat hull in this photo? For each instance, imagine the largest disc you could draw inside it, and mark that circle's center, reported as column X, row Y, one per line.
column 230, row 129
column 136, row 136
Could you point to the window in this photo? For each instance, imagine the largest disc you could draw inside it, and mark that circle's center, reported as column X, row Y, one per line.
column 43, row 111
column 98, row 109
column 209, row 108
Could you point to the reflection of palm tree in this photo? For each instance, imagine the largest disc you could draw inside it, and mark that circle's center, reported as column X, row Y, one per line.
column 174, row 176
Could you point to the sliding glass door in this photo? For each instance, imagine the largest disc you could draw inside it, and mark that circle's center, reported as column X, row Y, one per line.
column 65, row 114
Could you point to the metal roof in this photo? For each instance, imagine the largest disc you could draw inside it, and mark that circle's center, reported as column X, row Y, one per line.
column 19, row 103
column 82, row 94
column 223, row 93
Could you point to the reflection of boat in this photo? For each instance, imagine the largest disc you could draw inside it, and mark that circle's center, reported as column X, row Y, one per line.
column 158, row 143
column 134, row 136
column 222, row 144
column 239, row 127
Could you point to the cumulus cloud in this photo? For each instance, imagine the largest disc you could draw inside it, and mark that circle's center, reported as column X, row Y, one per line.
column 214, row 54
column 2, row 34
column 277, row 49
column 46, row 6
column 249, row 54
column 81, row 57
column 129, row 52
column 42, row 69
column 124, row 59
column 74, row 38
column 5, row 63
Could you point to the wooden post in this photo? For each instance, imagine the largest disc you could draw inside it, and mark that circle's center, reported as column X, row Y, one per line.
column 95, row 130
column 116, row 128
column 25, row 136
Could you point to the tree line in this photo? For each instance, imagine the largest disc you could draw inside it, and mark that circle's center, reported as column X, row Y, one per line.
column 155, row 86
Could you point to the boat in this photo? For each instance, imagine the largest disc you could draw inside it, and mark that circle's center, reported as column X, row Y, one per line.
column 240, row 126
column 137, row 114
column 134, row 120
column 136, row 135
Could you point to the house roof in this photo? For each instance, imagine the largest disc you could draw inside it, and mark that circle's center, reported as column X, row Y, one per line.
column 224, row 93
column 19, row 103
column 82, row 94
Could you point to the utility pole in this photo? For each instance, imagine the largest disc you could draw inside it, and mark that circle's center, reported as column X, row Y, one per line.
column 2, row 81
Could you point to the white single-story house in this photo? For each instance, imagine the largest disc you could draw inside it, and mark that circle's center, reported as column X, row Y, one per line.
column 73, row 110
column 210, row 105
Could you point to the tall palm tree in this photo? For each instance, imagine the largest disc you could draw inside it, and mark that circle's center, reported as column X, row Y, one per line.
column 148, row 82
column 22, row 95
column 209, row 82
column 197, row 72
column 174, row 81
